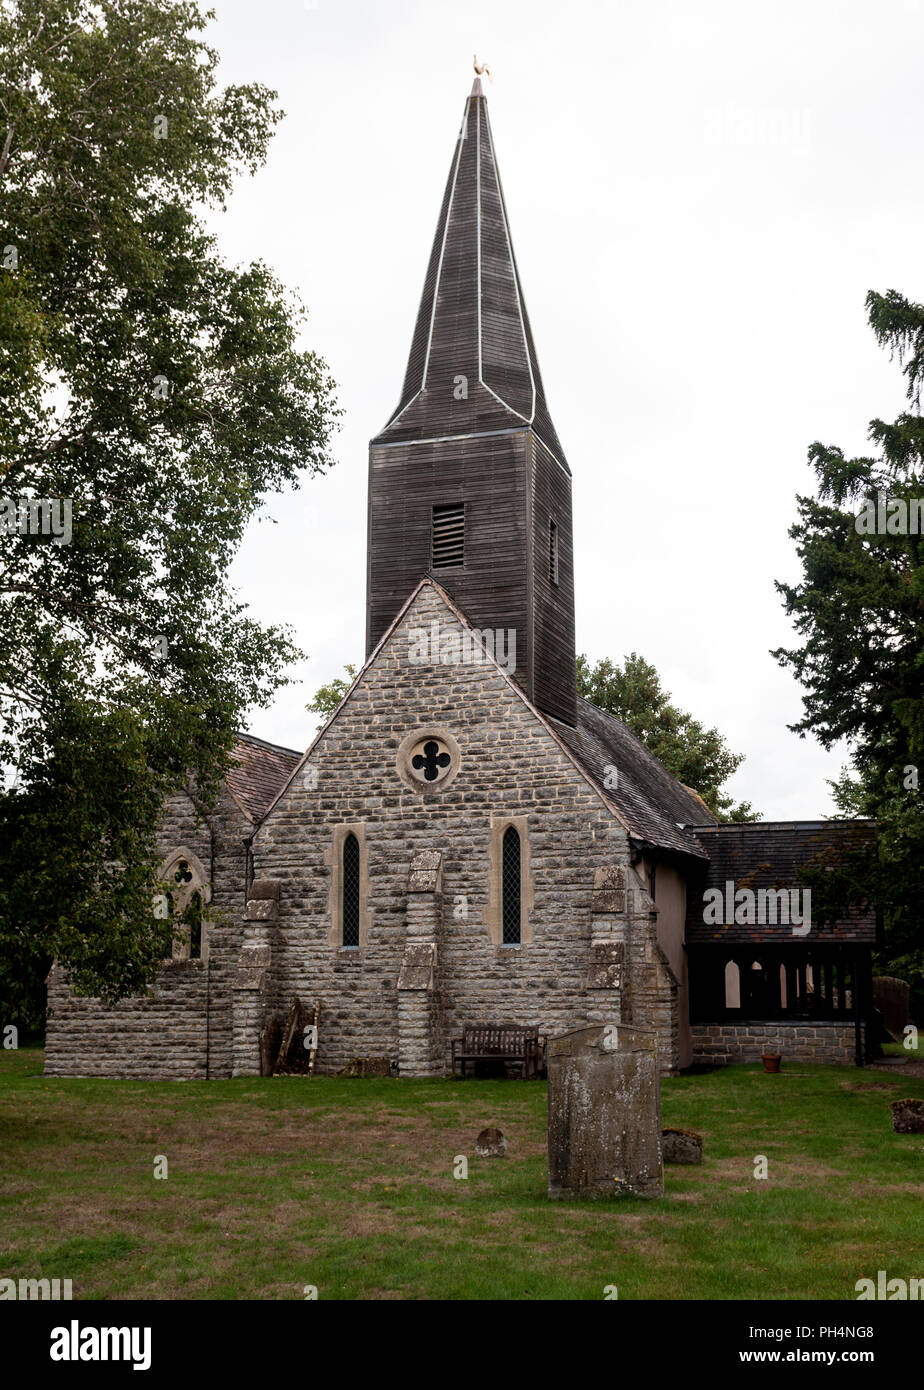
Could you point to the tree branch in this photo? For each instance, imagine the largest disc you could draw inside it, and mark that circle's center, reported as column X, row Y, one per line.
column 5, row 153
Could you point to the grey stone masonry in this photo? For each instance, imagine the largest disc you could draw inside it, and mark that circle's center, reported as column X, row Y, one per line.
column 431, row 956
column 252, row 977
column 823, row 1041
column 654, row 988
column 420, row 1050
column 181, row 1029
column 161, row 1036
column 511, row 765
column 608, row 984
column 630, row 978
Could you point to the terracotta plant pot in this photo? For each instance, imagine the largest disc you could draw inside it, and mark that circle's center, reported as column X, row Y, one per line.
column 771, row 1061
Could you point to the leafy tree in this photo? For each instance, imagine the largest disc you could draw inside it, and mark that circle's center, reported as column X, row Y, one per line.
column 161, row 395
column 860, row 610
column 891, row 876
column 697, row 756
column 329, row 696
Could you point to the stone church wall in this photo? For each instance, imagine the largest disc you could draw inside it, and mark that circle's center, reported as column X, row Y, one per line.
column 511, row 767
column 183, row 1028
column 825, row 1040
column 431, row 957
column 164, row 1037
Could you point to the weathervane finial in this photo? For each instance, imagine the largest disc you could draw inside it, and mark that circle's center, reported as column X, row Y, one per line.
column 482, row 67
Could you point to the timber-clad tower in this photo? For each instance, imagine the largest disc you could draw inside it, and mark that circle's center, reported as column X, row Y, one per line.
column 468, row 481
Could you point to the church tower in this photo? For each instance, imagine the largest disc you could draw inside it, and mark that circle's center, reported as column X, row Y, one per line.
column 468, row 481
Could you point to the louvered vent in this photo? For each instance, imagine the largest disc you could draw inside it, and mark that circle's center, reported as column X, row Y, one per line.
column 449, row 536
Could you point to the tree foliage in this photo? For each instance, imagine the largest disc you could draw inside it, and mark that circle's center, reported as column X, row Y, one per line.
column 329, row 696
column 697, row 756
column 859, row 609
column 162, row 393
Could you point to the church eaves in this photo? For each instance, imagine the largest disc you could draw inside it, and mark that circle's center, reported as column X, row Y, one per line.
column 472, row 367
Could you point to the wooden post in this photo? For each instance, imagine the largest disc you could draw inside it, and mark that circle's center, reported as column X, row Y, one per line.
column 312, row 1052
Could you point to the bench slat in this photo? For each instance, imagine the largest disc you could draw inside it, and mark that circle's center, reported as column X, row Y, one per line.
column 498, row 1042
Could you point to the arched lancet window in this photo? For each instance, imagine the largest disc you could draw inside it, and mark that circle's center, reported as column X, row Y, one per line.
column 184, row 897
column 511, row 886
column 351, row 891
column 732, row 985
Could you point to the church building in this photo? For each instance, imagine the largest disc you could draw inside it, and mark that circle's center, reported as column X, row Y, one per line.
column 466, row 841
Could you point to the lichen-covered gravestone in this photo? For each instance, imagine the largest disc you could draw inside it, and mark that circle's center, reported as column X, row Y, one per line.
column 605, row 1113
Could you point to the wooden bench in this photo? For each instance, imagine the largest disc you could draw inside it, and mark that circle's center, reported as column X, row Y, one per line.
column 498, row 1042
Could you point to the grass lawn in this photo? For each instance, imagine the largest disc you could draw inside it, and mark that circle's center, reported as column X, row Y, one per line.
column 348, row 1185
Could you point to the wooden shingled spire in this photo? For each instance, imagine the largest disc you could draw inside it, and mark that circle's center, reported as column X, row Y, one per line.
column 472, row 321
column 468, row 479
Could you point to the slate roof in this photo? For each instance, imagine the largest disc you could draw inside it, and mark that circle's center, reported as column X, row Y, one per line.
column 650, row 800
column 472, row 319
column 770, row 854
column 258, row 771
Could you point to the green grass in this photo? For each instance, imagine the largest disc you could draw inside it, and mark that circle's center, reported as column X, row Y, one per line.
column 348, row 1185
column 913, row 1054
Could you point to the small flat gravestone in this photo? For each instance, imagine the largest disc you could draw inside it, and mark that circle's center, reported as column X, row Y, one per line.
column 908, row 1116
column 491, row 1144
column 367, row 1066
column 681, row 1146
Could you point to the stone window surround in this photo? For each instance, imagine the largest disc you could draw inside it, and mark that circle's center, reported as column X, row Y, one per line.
column 406, row 751
column 494, row 912
column 181, row 894
column 333, row 857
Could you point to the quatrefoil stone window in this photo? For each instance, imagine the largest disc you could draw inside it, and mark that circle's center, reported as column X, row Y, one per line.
column 428, row 759
column 431, row 761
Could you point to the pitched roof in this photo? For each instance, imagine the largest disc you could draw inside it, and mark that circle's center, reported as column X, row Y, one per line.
column 653, row 804
column 472, row 320
column 771, row 855
column 258, row 771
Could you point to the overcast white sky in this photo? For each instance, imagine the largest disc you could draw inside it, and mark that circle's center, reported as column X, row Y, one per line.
column 701, row 195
